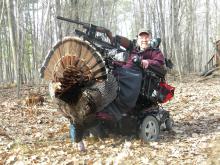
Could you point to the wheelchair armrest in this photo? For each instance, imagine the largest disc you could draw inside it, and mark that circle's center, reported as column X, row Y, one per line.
column 159, row 71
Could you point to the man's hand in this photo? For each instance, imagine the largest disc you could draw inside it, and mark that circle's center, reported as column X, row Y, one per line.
column 137, row 60
column 145, row 64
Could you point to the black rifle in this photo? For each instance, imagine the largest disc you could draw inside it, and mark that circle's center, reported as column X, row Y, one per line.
column 91, row 34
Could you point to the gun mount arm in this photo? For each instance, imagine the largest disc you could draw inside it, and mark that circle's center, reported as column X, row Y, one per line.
column 96, row 41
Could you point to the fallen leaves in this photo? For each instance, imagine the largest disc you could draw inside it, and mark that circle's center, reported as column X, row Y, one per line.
column 40, row 134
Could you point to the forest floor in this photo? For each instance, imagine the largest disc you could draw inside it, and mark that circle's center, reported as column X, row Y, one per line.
column 40, row 134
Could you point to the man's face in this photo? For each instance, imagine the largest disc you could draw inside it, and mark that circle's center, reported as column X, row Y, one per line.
column 143, row 40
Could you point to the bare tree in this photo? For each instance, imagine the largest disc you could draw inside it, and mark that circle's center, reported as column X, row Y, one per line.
column 187, row 28
column 175, row 34
column 14, row 42
column 2, row 10
column 1, row 61
column 207, row 31
column 162, row 27
column 58, row 13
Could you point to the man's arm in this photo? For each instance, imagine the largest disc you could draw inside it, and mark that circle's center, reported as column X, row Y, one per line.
column 156, row 59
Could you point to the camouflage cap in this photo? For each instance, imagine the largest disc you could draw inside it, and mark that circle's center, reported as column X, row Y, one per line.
column 143, row 30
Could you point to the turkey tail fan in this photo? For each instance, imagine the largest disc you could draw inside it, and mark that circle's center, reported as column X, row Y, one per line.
column 73, row 62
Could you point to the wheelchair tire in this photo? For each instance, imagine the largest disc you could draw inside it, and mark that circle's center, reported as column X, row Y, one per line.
column 149, row 129
column 169, row 124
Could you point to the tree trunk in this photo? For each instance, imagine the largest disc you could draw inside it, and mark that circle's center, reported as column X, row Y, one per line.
column 2, row 11
column 141, row 10
column 8, row 62
column 13, row 40
column 176, row 36
column 112, row 15
column 162, row 27
column 135, row 16
column 76, row 12
column 90, row 13
column 103, row 14
column 44, row 40
column 1, row 61
column 33, row 45
column 207, row 32
column 58, row 13
column 19, row 45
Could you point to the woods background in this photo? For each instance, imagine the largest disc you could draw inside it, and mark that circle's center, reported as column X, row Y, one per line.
column 29, row 28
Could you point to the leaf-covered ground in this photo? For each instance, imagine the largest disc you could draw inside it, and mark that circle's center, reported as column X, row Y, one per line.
column 40, row 135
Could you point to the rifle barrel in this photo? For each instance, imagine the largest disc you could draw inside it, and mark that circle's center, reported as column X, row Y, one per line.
column 85, row 25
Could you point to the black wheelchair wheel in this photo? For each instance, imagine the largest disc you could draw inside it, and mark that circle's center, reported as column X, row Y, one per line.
column 169, row 124
column 149, row 129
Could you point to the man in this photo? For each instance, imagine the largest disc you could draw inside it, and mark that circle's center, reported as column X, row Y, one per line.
column 149, row 56
column 141, row 56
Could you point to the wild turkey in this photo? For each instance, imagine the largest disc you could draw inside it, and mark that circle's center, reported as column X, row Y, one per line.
column 79, row 82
